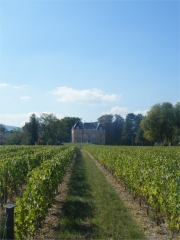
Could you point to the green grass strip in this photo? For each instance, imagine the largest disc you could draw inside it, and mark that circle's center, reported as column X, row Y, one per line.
column 92, row 209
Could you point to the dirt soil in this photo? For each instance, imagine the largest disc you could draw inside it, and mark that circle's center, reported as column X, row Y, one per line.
column 51, row 225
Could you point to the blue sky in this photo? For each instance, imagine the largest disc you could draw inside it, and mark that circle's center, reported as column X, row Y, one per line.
column 87, row 58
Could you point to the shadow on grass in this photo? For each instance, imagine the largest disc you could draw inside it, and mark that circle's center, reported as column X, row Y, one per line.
column 78, row 208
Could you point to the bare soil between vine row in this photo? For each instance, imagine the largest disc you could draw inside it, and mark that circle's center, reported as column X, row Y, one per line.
column 51, row 225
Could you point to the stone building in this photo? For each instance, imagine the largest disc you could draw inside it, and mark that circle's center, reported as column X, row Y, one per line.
column 88, row 133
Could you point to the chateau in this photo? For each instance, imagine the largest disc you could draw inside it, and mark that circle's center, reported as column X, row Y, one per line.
column 88, row 133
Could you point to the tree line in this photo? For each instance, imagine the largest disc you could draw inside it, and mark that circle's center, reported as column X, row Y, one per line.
column 46, row 129
column 161, row 126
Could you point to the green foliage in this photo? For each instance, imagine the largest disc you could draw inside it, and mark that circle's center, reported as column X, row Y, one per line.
column 161, row 123
column 105, row 118
column 176, row 136
column 160, row 126
column 92, row 209
column 151, row 172
column 53, row 130
column 130, row 129
column 107, row 122
column 15, row 138
column 31, row 209
column 69, row 121
column 113, row 125
column 139, row 139
column 2, row 128
column 117, row 129
column 16, row 162
column 31, row 130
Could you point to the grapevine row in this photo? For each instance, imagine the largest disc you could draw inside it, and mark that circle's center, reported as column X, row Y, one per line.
column 15, row 167
column 31, row 209
column 153, row 173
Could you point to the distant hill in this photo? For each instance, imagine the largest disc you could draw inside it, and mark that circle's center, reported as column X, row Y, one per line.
column 9, row 128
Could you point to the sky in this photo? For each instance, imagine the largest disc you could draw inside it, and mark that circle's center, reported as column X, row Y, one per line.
column 87, row 58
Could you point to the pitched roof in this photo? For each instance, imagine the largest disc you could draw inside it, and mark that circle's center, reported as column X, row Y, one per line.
column 89, row 126
column 81, row 125
column 78, row 125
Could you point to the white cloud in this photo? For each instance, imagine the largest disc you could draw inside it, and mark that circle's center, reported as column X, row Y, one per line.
column 174, row 103
column 24, row 98
column 123, row 111
column 90, row 96
column 19, row 120
column 141, row 112
column 20, row 87
column 16, row 87
column 4, row 84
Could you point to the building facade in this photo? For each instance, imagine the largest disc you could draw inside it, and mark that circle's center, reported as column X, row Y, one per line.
column 88, row 133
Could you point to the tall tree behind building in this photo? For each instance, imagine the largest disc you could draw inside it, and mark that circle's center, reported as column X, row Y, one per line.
column 128, row 134
column 107, row 122
column 70, row 121
column 117, row 129
column 176, row 136
column 113, row 125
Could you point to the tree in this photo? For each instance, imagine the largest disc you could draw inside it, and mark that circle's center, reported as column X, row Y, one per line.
column 31, row 130
column 53, row 130
column 47, row 127
column 117, row 129
column 137, row 122
column 158, row 125
column 2, row 128
column 62, row 132
column 105, row 118
column 15, row 138
column 106, row 121
column 151, row 125
column 69, row 121
column 176, row 135
column 113, row 125
column 129, row 127
column 109, row 132
column 167, row 121
column 139, row 139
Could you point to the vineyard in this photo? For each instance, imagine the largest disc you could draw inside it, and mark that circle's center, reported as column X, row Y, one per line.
column 41, row 170
column 30, row 175
column 153, row 174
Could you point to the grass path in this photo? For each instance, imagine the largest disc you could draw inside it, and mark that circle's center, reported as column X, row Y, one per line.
column 92, row 209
